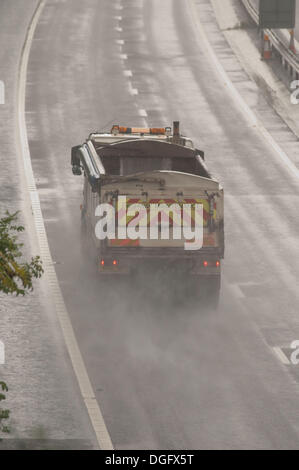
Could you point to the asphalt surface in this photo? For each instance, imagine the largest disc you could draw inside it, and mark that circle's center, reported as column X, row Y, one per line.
column 168, row 374
column 43, row 397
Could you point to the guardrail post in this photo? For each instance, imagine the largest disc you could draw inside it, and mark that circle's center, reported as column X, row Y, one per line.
column 266, row 47
column 292, row 46
column 286, row 53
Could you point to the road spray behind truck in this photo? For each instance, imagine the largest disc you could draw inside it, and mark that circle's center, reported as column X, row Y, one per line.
column 145, row 189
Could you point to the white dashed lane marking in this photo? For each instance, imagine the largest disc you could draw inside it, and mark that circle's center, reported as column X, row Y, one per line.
column 142, row 113
column 281, row 356
column 133, row 91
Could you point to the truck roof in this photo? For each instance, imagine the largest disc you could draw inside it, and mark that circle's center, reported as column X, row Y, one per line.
column 128, row 151
column 122, row 133
column 143, row 147
column 166, row 179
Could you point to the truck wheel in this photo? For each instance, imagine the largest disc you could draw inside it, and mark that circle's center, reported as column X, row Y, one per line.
column 212, row 293
column 208, row 291
column 85, row 250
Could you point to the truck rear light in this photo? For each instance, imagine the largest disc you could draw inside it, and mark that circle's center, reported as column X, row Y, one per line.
column 102, row 262
column 217, row 264
column 206, row 264
column 115, row 263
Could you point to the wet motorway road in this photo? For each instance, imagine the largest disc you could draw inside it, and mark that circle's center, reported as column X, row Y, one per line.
column 168, row 374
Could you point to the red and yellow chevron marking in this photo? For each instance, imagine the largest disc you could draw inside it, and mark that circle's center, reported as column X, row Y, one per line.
column 123, row 243
column 209, row 239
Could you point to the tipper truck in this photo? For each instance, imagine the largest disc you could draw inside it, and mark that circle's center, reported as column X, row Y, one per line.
column 132, row 170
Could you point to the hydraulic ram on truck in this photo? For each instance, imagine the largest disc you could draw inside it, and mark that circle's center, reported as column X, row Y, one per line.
column 145, row 189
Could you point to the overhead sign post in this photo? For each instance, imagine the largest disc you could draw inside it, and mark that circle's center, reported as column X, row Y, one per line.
column 277, row 14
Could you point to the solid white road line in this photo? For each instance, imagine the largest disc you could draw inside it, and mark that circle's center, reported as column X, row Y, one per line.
column 281, row 356
column 2, row 92
column 128, row 73
column 87, row 392
column 247, row 111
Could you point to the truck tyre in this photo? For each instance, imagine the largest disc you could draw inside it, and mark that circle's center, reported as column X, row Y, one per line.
column 84, row 239
column 212, row 292
column 208, row 291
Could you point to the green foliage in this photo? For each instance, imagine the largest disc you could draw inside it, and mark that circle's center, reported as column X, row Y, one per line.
column 4, row 414
column 16, row 277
